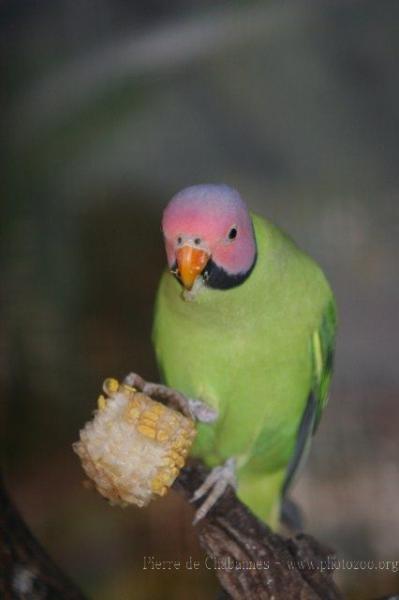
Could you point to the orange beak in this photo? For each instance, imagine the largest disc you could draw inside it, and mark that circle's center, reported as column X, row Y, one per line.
column 190, row 263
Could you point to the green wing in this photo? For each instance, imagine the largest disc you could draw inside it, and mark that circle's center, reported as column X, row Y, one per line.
column 322, row 349
column 323, row 346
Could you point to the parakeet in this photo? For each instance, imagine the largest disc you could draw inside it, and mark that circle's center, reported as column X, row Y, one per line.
column 245, row 322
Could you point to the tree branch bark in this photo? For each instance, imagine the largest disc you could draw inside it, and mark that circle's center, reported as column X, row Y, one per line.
column 26, row 570
column 253, row 562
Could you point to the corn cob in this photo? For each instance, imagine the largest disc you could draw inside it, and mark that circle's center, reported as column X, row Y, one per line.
column 134, row 447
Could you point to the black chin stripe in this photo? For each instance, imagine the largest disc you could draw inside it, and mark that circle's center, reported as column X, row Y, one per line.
column 217, row 278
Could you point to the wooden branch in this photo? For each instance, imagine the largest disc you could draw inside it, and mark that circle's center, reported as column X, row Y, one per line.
column 250, row 560
column 26, row 570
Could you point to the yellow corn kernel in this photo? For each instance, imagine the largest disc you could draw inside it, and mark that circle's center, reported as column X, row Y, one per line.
column 156, row 485
column 173, row 455
column 174, row 472
column 101, row 402
column 135, row 402
column 146, row 423
column 151, row 415
column 110, row 386
column 147, row 431
column 132, row 414
column 162, row 435
column 124, row 387
column 165, row 475
column 179, row 443
column 180, row 462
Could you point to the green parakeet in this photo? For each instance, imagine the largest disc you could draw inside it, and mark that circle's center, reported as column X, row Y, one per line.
column 245, row 322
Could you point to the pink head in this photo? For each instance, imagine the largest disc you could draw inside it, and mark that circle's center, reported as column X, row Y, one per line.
column 208, row 231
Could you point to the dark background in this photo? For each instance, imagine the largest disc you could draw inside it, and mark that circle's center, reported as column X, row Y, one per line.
column 108, row 108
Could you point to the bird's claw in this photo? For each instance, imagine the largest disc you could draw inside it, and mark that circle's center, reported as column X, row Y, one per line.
column 202, row 412
column 196, row 409
column 215, row 483
column 134, row 380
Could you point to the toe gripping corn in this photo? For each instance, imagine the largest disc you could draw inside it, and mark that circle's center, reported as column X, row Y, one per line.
column 134, row 447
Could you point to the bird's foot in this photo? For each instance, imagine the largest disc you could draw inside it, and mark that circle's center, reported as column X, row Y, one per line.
column 214, row 485
column 194, row 409
column 202, row 412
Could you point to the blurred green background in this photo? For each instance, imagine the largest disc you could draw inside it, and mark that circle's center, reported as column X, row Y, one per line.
column 108, row 108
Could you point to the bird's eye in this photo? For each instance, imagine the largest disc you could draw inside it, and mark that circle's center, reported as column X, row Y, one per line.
column 232, row 233
column 197, row 241
column 179, row 239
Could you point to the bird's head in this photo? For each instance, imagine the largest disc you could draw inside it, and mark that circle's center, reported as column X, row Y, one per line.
column 209, row 235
